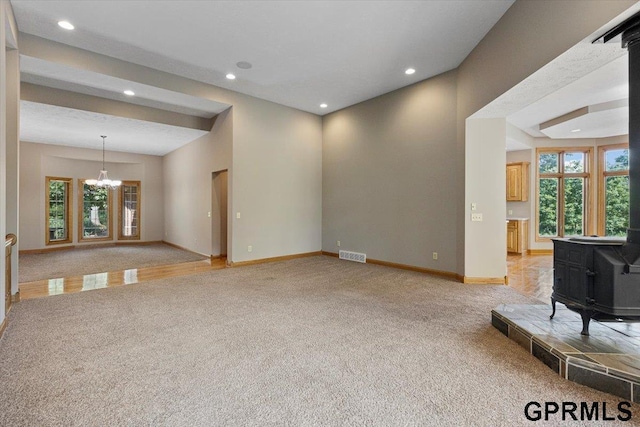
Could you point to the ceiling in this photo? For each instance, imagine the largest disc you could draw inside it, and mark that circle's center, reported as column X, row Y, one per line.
column 50, row 74
column 51, row 124
column 302, row 54
column 593, row 106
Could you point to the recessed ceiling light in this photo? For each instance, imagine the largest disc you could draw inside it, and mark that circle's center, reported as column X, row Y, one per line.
column 323, row 105
column 66, row 25
column 231, row 76
column 244, row 65
column 409, row 71
column 576, row 130
column 129, row 92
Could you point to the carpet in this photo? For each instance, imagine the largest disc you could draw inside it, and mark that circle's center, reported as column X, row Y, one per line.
column 312, row 341
column 77, row 262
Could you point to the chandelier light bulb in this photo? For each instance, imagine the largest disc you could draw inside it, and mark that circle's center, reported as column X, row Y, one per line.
column 103, row 179
column 66, row 25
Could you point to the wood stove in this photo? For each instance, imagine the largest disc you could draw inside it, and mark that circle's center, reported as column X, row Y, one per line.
column 593, row 277
column 600, row 277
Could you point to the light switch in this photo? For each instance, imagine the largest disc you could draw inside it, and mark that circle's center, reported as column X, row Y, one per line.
column 238, row 215
column 474, row 206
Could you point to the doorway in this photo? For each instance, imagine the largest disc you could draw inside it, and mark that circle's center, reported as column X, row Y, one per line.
column 219, row 203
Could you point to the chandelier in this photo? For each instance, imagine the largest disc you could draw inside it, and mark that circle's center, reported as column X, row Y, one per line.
column 103, row 179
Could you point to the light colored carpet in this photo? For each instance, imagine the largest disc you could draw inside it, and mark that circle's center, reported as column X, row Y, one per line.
column 313, row 341
column 78, row 262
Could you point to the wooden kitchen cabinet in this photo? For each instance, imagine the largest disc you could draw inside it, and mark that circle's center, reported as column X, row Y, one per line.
column 517, row 236
column 518, row 182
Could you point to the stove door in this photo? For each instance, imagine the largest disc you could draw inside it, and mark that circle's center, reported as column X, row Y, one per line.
column 572, row 265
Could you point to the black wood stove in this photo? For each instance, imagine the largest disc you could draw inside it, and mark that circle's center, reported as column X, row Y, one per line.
column 600, row 277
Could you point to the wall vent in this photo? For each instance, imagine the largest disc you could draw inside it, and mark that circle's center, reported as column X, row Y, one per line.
column 353, row 256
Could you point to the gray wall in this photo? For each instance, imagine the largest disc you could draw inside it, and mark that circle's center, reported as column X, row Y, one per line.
column 397, row 182
column 37, row 161
column 528, row 36
column 274, row 157
column 276, row 180
column 187, row 174
column 389, row 176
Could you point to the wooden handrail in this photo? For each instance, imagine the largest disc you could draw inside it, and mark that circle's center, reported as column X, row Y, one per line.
column 10, row 240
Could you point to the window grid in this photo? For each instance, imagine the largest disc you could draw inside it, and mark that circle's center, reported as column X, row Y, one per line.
column 94, row 213
column 563, row 192
column 58, row 210
column 613, row 190
column 129, row 211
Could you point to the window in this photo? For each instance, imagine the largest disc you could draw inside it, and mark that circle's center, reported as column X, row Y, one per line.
column 563, row 192
column 613, row 190
column 129, row 210
column 58, row 210
column 94, row 214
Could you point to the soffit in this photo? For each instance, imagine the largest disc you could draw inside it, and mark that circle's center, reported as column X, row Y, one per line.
column 51, row 124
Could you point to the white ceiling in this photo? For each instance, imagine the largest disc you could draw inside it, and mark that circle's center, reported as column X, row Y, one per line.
column 303, row 52
column 596, row 91
column 45, row 73
column 50, row 124
column 47, row 124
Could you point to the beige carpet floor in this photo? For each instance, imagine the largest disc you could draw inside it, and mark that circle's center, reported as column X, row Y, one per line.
column 313, row 341
column 77, row 262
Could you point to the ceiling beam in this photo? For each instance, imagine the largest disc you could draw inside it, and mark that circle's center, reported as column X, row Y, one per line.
column 79, row 101
column 11, row 27
column 564, row 118
column 74, row 57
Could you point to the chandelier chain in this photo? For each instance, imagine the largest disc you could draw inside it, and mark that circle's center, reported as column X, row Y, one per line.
column 103, row 180
column 103, row 137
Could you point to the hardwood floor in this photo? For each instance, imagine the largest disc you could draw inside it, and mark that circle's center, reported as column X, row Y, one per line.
column 68, row 285
column 531, row 275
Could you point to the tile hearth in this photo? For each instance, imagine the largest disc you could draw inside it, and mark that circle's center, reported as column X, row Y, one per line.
column 608, row 360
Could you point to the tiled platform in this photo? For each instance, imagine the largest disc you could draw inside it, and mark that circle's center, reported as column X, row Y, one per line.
column 607, row 360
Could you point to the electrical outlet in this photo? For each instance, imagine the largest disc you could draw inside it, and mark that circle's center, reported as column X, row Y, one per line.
column 476, row 217
column 249, row 248
column 338, row 243
column 209, row 214
column 510, row 212
column 435, row 255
